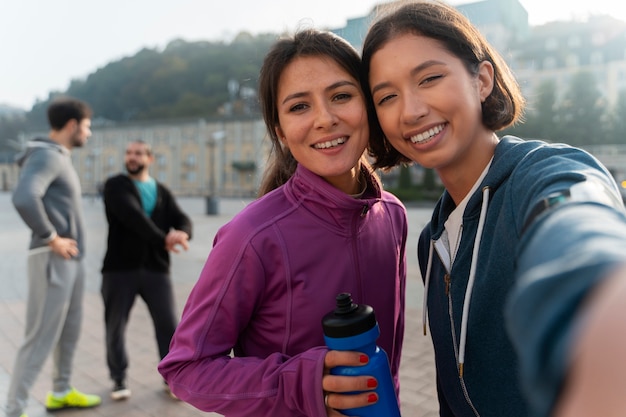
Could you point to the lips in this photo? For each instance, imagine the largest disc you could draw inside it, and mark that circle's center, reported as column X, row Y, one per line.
column 425, row 136
column 331, row 143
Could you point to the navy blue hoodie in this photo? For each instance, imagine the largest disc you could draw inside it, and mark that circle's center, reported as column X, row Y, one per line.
column 492, row 363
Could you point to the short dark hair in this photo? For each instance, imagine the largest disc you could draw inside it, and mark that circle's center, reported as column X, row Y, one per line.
column 145, row 144
column 63, row 109
column 444, row 23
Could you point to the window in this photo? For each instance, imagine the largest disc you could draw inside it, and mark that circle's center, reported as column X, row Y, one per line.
column 596, row 58
column 572, row 60
column 573, row 42
column 552, row 44
column 549, row 63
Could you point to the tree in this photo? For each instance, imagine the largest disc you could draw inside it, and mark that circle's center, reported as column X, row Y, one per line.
column 579, row 115
column 186, row 79
column 616, row 127
column 541, row 116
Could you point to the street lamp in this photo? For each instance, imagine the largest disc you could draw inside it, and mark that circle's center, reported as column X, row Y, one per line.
column 93, row 159
column 212, row 200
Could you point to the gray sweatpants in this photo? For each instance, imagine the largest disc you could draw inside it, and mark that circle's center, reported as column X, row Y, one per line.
column 53, row 320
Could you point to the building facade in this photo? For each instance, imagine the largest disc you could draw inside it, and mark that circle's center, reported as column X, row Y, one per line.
column 554, row 52
column 557, row 51
column 194, row 158
column 503, row 22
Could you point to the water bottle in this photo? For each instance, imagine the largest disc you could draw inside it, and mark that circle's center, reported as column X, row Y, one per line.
column 354, row 327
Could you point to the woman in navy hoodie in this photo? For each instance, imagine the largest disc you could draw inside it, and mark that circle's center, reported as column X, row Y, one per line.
column 521, row 256
column 323, row 226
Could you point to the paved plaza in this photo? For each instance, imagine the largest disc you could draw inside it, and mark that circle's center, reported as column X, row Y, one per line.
column 90, row 375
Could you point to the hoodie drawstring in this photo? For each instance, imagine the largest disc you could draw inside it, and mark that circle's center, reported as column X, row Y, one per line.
column 470, row 282
column 431, row 249
column 472, row 278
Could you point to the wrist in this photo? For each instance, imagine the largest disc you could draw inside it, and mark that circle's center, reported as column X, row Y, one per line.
column 51, row 238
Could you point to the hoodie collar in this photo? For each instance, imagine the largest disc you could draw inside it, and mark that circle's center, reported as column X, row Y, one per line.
column 509, row 152
column 40, row 143
column 329, row 204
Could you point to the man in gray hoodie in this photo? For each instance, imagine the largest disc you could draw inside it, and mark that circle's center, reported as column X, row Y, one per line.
column 48, row 199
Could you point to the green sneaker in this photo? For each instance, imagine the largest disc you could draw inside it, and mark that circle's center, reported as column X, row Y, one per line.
column 73, row 399
column 24, row 415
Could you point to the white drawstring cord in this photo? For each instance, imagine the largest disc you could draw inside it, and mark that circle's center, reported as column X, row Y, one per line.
column 470, row 281
column 426, row 282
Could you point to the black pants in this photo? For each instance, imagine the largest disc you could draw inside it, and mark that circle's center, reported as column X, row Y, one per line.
column 119, row 290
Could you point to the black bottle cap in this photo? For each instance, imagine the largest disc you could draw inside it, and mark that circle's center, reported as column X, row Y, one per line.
column 348, row 319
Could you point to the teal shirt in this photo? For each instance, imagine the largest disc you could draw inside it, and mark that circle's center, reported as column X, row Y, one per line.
column 148, row 193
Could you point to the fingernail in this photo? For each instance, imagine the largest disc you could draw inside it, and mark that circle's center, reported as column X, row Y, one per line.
column 372, row 398
column 372, row 383
column 363, row 359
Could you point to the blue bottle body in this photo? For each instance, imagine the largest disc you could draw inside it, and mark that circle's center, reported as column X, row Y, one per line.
column 378, row 367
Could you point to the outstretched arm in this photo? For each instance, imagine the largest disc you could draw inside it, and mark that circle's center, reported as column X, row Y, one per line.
column 595, row 385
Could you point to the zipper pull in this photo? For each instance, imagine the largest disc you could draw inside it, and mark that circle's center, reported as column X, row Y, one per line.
column 365, row 209
column 446, row 279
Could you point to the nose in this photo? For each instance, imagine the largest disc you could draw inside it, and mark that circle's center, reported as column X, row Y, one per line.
column 413, row 109
column 324, row 116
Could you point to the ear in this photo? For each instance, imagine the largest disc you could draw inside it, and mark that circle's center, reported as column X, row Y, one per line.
column 71, row 125
column 485, row 80
column 280, row 135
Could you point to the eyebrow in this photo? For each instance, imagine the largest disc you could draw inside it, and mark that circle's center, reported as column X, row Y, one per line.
column 329, row 88
column 421, row 67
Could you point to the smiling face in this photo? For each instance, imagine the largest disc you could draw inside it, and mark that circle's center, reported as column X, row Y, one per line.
column 429, row 105
column 322, row 119
column 137, row 159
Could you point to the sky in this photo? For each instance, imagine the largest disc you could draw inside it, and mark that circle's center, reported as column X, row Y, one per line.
column 46, row 44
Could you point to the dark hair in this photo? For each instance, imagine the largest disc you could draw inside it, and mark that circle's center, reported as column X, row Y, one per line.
column 307, row 42
column 439, row 21
column 145, row 144
column 63, row 109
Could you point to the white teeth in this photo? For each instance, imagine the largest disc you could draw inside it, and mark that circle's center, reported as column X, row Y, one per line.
column 330, row 143
column 425, row 136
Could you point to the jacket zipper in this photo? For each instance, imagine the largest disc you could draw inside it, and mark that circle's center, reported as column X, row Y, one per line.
column 355, row 249
column 448, row 280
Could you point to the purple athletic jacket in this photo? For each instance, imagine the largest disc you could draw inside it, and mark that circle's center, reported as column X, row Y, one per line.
column 250, row 340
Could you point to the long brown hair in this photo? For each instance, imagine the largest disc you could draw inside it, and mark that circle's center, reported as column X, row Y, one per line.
column 307, row 42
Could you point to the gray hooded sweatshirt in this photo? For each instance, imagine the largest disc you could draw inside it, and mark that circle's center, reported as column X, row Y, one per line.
column 48, row 194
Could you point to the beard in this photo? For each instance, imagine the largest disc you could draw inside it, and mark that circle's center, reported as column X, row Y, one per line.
column 77, row 141
column 136, row 170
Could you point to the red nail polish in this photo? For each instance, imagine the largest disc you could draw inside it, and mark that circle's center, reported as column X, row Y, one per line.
column 372, row 398
column 364, row 359
column 372, row 383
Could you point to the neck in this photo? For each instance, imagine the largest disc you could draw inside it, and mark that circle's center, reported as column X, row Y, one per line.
column 141, row 176
column 58, row 137
column 350, row 183
column 460, row 178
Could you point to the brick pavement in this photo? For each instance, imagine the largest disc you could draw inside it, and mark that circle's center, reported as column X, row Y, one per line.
column 418, row 394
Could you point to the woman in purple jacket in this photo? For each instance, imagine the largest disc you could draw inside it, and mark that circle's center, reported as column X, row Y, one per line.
column 250, row 340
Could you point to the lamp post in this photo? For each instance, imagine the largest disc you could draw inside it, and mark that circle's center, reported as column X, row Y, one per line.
column 93, row 158
column 212, row 201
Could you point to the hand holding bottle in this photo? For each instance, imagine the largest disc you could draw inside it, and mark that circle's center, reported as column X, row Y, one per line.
column 353, row 327
column 336, row 386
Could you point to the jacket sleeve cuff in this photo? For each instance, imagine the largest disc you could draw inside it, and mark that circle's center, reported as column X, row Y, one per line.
column 50, row 238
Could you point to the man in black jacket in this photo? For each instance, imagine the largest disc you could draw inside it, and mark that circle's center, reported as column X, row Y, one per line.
column 145, row 224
